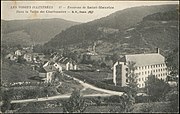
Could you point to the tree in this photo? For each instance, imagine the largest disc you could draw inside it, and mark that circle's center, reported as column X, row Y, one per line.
column 172, row 96
column 75, row 103
column 156, row 88
column 20, row 59
column 6, row 100
column 132, row 85
column 74, row 56
column 115, row 57
column 57, row 77
column 172, row 63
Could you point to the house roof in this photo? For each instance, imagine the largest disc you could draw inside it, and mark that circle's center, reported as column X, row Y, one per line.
column 64, row 60
column 42, row 70
column 50, row 68
column 145, row 59
column 46, row 69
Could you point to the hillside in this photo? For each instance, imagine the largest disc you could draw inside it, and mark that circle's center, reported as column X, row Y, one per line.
column 15, row 72
column 26, row 31
column 121, row 31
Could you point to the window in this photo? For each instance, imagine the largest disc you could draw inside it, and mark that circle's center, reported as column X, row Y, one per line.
column 142, row 79
column 126, row 69
column 142, row 85
column 142, row 67
column 148, row 72
column 145, row 72
column 142, row 73
column 139, row 79
column 145, row 67
column 126, row 74
column 126, row 80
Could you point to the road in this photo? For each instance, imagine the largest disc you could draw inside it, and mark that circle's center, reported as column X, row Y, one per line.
column 86, row 85
column 65, row 96
column 57, row 97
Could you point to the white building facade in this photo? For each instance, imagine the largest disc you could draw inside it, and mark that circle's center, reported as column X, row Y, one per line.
column 146, row 64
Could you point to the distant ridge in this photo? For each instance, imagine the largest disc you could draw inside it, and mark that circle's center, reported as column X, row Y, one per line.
column 32, row 30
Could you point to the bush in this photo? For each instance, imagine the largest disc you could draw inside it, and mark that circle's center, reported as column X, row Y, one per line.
column 141, row 99
column 172, row 96
column 113, row 99
column 61, row 90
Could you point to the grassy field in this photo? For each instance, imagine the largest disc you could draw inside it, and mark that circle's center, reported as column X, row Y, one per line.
column 99, row 76
column 15, row 72
column 151, row 107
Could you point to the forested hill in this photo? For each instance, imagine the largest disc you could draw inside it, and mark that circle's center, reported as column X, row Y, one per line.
column 25, row 32
column 115, row 23
column 163, row 16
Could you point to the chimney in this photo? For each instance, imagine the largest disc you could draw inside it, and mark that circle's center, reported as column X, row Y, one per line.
column 157, row 50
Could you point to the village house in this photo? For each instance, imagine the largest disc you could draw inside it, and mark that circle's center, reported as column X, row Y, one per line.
column 28, row 57
column 67, row 64
column 46, row 73
column 37, row 57
column 33, row 57
column 11, row 57
column 54, row 64
column 145, row 65
column 19, row 52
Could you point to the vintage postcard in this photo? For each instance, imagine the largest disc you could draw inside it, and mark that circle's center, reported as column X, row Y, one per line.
column 89, row 56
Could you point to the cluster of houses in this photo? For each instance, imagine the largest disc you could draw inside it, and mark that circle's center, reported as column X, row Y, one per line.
column 46, row 67
column 26, row 55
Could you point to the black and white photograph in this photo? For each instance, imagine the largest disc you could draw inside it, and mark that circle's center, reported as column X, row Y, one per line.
column 89, row 56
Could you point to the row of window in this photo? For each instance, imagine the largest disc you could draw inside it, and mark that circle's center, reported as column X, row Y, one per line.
column 145, row 78
column 141, row 85
column 150, row 66
column 148, row 72
column 142, row 79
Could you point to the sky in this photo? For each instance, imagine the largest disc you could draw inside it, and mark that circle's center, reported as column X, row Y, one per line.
column 20, row 10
